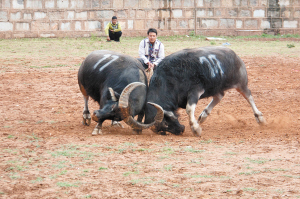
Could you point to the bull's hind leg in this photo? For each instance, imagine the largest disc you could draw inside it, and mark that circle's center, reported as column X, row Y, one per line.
column 86, row 116
column 193, row 98
column 205, row 113
column 247, row 95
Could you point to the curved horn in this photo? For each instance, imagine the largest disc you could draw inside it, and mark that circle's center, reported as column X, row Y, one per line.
column 123, row 106
column 112, row 94
column 170, row 114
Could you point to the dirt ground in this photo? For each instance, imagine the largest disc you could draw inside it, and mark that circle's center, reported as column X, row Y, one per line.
column 46, row 152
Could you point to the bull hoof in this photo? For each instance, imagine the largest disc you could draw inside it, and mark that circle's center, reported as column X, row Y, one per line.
column 117, row 124
column 163, row 133
column 136, row 132
column 197, row 131
column 260, row 120
column 97, row 131
column 202, row 117
column 86, row 122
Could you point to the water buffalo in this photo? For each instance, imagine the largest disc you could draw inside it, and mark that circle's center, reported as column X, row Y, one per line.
column 103, row 76
column 186, row 76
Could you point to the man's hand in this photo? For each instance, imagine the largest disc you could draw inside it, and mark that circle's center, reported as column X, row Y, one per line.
column 108, row 39
column 111, row 30
column 150, row 65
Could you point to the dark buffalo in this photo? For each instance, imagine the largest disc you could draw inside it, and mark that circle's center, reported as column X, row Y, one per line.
column 103, row 76
column 184, row 77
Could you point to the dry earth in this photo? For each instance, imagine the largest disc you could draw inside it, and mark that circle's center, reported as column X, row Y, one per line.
column 46, row 152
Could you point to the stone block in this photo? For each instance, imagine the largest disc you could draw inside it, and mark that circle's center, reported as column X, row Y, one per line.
column 131, row 3
column 244, row 3
column 227, row 3
column 201, row 13
column 151, row 14
column 3, row 16
column 77, row 4
column 263, row 2
column 40, row 26
column 54, row 26
column 130, row 24
column 15, row 16
column 47, row 35
column 19, row 35
column 22, row 26
column 5, row 3
column 139, row 24
column 118, row 4
column 290, row 24
column 27, row 16
column 61, row 4
column 34, row 4
column 191, row 23
column 176, row 3
column 259, row 13
column 239, row 24
column 189, row 13
column 216, row 3
column 161, row 24
column 284, row 3
column 105, row 23
column 65, row 26
column 297, row 14
column 273, row 12
column 6, row 26
column 276, row 23
column 105, row 14
column 49, row 4
column 253, row 3
column 164, row 13
column 132, row 13
column 209, row 23
column 210, row 12
column 106, row 3
column 265, row 24
column 251, row 24
column 227, row 23
column 237, row 2
column 200, row 3
column 121, row 14
column 173, row 25
column 245, row 13
column 286, row 14
column 78, row 25
column 223, row 12
column 81, row 15
column 70, row 15
column 18, row 4
column 177, row 13
column 233, row 12
column 183, row 24
column 188, row 4
column 123, row 24
column 145, row 4
column 140, row 14
column 151, row 24
column 92, row 4
column 92, row 25
column 56, row 15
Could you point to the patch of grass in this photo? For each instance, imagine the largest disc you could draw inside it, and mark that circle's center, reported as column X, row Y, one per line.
column 206, row 141
column 259, row 160
column 168, row 150
column 176, row 185
column 6, row 127
column 213, row 43
column 249, row 189
column 192, row 150
column 127, row 173
column 102, row 168
column 168, row 167
column 67, row 184
column 10, row 136
column 230, row 153
column 38, row 179
column 129, row 144
column 290, row 45
column 87, row 196
column 249, row 173
column 295, row 177
column 14, row 176
column 135, row 181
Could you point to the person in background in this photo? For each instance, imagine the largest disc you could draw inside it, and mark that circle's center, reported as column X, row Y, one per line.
column 151, row 50
column 113, row 30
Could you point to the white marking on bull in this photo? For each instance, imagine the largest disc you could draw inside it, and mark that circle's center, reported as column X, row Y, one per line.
column 101, row 60
column 114, row 57
column 213, row 63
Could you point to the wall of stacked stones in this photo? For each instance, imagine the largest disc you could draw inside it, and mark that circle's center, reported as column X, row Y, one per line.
column 83, row 18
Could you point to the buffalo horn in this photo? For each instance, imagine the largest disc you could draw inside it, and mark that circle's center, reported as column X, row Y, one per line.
column 112, row 94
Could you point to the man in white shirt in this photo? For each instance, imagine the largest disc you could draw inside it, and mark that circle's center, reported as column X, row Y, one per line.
column 151, row 50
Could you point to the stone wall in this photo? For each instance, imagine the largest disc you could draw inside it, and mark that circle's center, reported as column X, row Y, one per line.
column 81, row 18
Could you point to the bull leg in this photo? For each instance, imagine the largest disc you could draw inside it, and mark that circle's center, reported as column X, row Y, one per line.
column 116, row 124
column 139, row 119
column 247, row 95
column 205, row 113
column 86, row 113
column 98, row 129
column 190, row 110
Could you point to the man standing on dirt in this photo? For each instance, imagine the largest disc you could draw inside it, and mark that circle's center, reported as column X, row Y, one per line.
column 113, row 30
column 151, row 50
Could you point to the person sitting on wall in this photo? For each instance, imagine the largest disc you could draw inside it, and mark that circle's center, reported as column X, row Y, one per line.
column 151, row 50
column 113, row 30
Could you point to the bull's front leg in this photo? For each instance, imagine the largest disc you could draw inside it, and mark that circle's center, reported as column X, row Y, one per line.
column 205, row 113
column 86, row 116
column 190, row 110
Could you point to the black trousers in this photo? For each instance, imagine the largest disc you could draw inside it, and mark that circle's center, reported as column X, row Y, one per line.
column 115, row 36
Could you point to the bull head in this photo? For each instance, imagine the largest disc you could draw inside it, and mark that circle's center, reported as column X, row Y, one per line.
column 124, row 108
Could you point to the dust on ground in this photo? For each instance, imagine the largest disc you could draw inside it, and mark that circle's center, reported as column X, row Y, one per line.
column 46, row 152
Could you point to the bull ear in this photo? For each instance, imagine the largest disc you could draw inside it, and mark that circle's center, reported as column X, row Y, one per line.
column 170, row 114
column 114, row 95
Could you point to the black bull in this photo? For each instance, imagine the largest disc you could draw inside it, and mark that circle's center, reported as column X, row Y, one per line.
column 186, row 76
column 104, row 76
